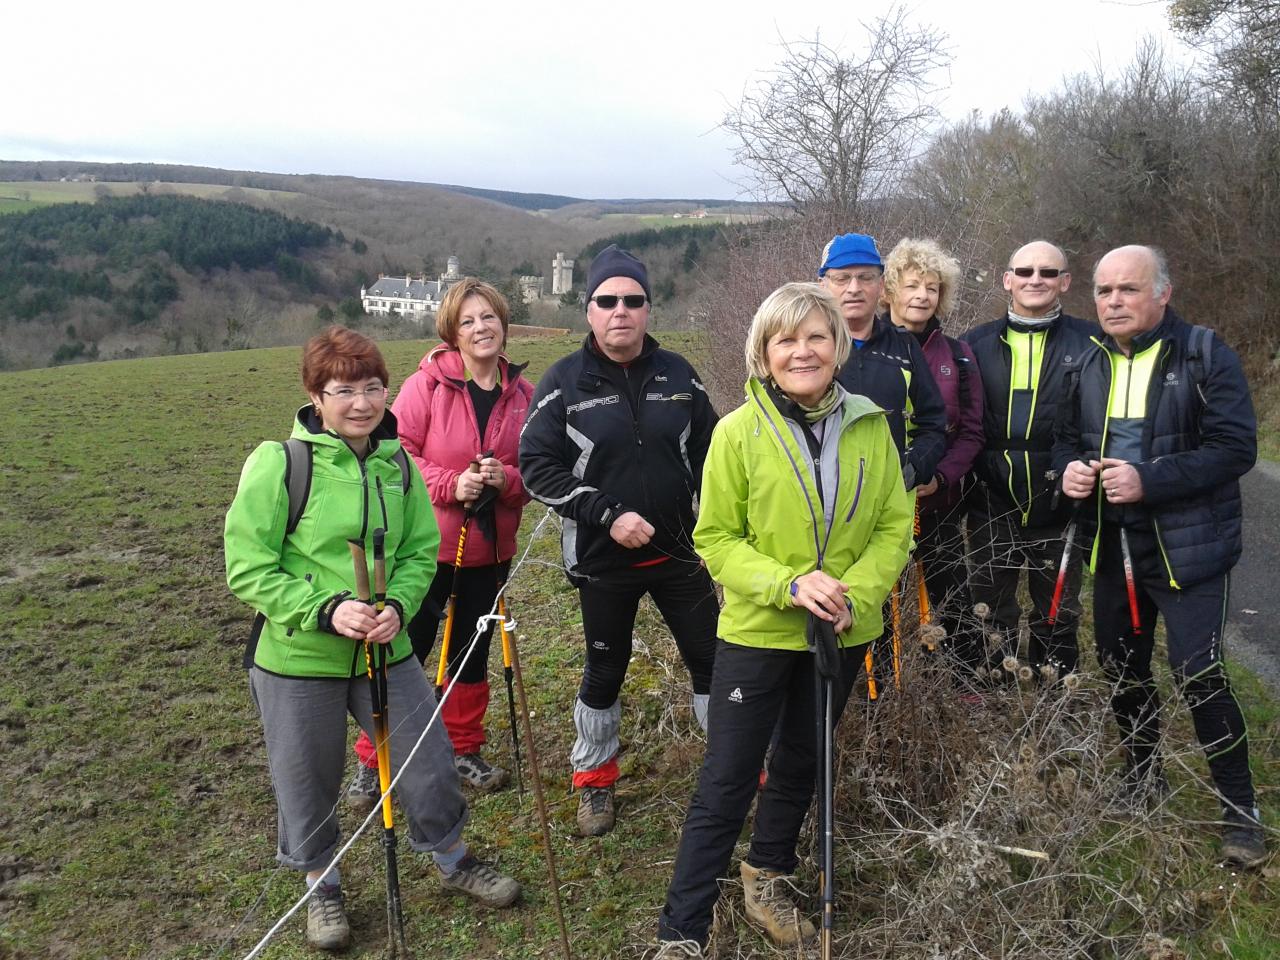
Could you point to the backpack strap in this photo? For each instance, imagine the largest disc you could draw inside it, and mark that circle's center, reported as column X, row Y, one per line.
column 1200, row 356
column 297, row 479
column 402, row 461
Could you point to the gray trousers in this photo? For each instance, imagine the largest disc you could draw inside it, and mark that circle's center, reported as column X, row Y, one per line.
column 305, row 724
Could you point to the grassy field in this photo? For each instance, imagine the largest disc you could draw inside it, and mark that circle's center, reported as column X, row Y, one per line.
column 21, row 196
column 135, row 807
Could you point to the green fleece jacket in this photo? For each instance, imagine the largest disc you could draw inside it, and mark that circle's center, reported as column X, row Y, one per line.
column 761, row 523
column 289, row 578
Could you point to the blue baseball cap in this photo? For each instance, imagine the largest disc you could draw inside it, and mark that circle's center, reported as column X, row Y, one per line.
column 850, row 250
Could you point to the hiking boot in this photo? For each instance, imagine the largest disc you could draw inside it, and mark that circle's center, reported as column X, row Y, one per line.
column 1144, row 790
column 479, row 881
column 595, row 811
column 363, row 794
column 1243, row 843
column 327, row 927
column 679, row 950
column 771, row 909
column 477, row 772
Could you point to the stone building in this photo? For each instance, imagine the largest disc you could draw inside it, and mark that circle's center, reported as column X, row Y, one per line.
column 412, row 297
column 561, row 275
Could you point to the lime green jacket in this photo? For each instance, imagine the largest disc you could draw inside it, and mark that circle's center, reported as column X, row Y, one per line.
column 761, row 524
column 289, row 578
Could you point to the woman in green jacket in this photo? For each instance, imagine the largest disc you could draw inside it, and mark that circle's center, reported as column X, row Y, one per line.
column 803, row 512
column 307, row 662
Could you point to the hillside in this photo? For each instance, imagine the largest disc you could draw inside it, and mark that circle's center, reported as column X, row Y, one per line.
column 386, row 228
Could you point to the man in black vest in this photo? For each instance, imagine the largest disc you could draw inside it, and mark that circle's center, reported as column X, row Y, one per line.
column 1016, row 520
column 1154, row 441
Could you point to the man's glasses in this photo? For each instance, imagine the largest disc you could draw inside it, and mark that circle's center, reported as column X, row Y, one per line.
column 1048, row 273
column 863, row 279
column 347, row 394
column 632, row 301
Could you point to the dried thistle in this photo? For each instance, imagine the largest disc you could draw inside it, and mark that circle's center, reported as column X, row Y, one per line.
column 1011, row 664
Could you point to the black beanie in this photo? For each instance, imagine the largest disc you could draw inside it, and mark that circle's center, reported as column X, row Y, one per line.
column 612, row 262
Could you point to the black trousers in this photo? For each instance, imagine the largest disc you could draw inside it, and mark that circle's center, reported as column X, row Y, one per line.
column 941, row 551
column 1194, row 620
column 1000, row 549
column 686, row 598
column 477, row 588
column 753, row 690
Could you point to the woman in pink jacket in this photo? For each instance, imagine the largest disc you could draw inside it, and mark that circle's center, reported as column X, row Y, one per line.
column 463, row 406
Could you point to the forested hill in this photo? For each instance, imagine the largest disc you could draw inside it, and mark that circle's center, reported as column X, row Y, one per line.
column 80, row 270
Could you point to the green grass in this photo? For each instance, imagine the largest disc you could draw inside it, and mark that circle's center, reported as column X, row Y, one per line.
column 21, row 196
column 134, row 797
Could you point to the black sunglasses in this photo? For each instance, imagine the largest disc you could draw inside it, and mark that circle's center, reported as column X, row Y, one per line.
column 1047, row 272
column 632, row 301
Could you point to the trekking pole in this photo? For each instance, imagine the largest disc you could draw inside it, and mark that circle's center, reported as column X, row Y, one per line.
column 536, row 777
column 375, row 655
column 507, row 673
column 1069, row 540
column 1129, row 584
column 467, row 513
column 895, row 619
column 822, row 642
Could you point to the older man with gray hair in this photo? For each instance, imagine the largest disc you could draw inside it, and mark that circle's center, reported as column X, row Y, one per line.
column 1156, row 436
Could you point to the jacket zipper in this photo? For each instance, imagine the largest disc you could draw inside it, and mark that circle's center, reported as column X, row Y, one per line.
column 857, row 493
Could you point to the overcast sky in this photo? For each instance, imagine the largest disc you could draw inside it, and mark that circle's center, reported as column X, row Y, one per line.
column 588, row 99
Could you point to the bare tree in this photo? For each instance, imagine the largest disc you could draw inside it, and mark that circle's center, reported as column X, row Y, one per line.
column 1243, row 37
column 832, row 128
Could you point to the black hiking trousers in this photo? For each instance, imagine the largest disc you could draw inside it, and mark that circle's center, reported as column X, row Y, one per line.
column 1000, row 549
column 754, row 691
column 1194, row 620
column 941, row 551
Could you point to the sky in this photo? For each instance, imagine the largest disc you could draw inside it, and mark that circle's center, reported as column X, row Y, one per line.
column 583, row 99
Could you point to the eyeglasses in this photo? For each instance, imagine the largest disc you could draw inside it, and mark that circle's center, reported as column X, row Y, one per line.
column 348, row 395
column 632, row 301
column 863, row 278
column 1048, row 273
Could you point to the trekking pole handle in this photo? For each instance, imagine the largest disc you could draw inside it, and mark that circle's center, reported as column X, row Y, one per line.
column 361, row 565
column 379, row 569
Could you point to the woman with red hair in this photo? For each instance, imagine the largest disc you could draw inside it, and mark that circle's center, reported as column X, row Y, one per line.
column 306, row 657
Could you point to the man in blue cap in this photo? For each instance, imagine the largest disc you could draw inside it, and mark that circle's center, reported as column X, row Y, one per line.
column 888, row 367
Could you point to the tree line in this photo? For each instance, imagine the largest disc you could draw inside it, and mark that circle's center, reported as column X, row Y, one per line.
column 1183, row 157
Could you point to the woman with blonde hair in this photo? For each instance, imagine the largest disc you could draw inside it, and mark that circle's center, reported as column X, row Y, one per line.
column 803, row 514
column 459, row 417
column 920, row 281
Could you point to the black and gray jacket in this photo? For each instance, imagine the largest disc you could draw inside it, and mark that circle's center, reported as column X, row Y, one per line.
column 602, row 439
column 1198, row 437
column 1015, row 466
column 891, row 371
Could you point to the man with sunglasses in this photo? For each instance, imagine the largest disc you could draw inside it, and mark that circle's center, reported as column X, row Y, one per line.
column 615, row 441
column 1017, row 521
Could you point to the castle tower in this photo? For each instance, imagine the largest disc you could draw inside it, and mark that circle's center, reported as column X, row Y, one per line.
column 561, row 275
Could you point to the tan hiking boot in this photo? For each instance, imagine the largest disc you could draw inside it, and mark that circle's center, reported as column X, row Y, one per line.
column 771, row 909
column 595, row 811
column 479, row 881
column 327, row 927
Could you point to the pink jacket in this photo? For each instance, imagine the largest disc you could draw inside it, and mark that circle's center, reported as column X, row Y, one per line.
column 438, row 429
